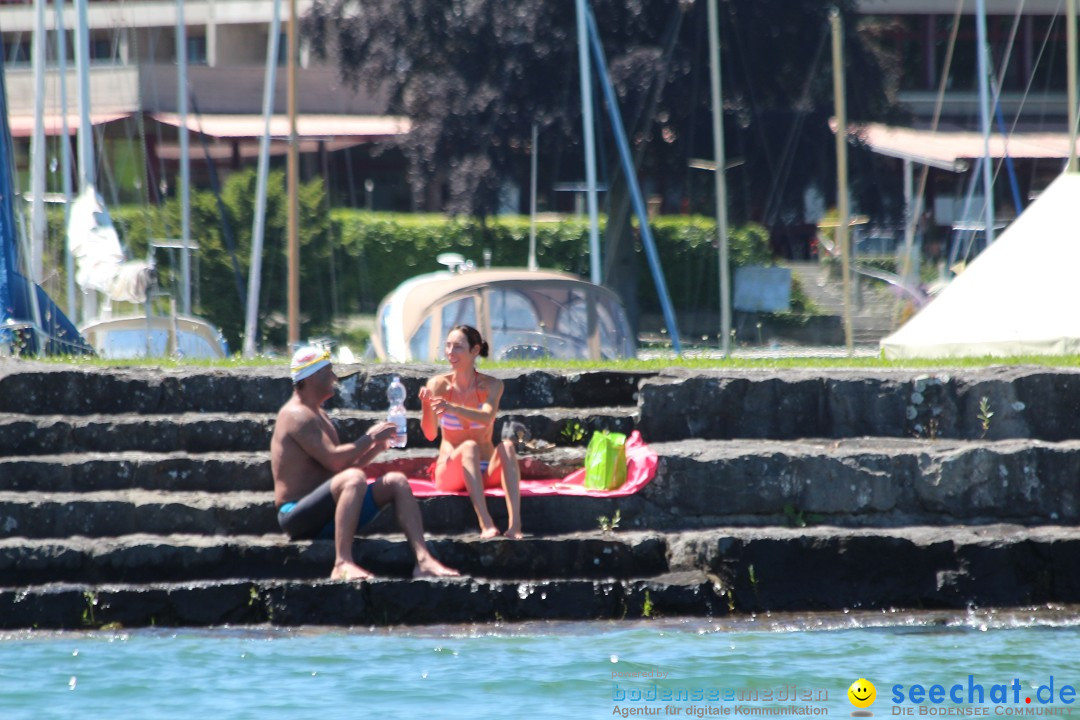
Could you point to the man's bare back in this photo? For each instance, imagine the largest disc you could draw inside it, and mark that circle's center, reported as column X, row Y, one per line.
column 295, row 472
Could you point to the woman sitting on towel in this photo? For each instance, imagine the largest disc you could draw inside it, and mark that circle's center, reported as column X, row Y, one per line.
column 463, row 403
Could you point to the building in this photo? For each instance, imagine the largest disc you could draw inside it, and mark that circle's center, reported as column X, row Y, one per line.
column 133, row 78
column 134, row 100
column 1029, row 141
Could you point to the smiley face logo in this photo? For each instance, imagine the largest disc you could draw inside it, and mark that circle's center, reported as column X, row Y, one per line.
column 862, row 693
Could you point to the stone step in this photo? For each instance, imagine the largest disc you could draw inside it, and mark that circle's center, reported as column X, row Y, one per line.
column 124, row 512
column 827, row 292
column 23, row 434
column 873, row 309
column 674, row 404
column 379, row 602
column 861, row 482
column 120, row 471
column 186, row 558
column 852, row 482
column 106, row 513
column 1026, row 402
column 722, row 571
column 217, row 472
column 51, row 389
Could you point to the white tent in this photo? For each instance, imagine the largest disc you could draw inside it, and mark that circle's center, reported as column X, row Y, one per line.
column 1020, row 296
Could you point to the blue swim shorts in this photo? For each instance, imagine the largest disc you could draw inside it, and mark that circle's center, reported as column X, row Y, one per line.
column 312, row 517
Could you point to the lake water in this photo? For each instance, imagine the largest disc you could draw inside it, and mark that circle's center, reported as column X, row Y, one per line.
column 774, row 666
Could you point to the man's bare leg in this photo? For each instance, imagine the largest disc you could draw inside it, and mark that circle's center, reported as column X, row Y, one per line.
column 394, row 487
column 348, row 488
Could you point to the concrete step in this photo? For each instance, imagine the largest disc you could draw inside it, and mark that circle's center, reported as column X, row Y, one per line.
column 108, row 513
column 852, row 482
column 380, row 602
column 124, row 512
column 722, row 571
column 873, row 308
column 673, row 404
column 148, row 559
column 1026, row 402
column 861, row 482
column 219, row 472
column 164, row 513
column 50, row 389
column 23, row 434
column 827, row 292
column 119, row 471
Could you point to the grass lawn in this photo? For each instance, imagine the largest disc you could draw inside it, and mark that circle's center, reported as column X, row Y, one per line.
column 693, row 363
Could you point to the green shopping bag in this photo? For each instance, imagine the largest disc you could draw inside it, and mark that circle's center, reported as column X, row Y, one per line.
column 605, row 461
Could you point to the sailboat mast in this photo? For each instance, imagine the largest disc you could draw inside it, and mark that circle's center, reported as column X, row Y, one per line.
column 185, row 161
column 842, row 170
column 293, row 172
column 532, row 199
column 37, row 146
column 259, row 223
column 626, row 159
column 721, row 186
column 65, row 152
column 984, row 118
column 588, row 127
column 87, row 168
column 1070, row 39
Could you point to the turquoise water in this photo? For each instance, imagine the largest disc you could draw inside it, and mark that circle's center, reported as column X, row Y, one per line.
column 564, row 670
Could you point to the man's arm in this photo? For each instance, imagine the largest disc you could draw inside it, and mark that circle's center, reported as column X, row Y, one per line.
column 380, row 434
column 315, row 441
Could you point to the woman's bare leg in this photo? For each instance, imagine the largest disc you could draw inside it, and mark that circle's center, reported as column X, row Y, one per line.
column 504, row 465
column 465, row 460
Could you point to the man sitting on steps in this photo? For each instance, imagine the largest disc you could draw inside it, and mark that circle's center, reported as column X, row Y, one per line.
column 320, row 489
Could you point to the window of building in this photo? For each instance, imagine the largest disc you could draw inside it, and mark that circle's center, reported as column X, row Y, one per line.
column 18, row 50
column 104, row 50
column 196, row 49
column 922, row 44
column 1047, row 44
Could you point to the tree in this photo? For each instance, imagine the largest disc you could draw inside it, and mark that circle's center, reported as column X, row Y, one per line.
column 471, row 75
column 217, row 292
column 474, row 75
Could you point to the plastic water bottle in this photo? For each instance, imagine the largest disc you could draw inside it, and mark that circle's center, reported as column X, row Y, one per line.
column 396, row 395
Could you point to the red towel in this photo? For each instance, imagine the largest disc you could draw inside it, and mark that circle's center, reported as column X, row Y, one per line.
column 641, row 464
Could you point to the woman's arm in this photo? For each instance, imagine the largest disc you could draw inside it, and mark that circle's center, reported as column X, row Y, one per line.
column 428, row 422
column 485, row 414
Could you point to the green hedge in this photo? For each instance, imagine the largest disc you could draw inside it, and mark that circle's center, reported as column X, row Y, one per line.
column 350, row 259
column 383, row 250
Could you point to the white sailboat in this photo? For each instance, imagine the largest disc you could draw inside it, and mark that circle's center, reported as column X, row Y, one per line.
column 103, row 268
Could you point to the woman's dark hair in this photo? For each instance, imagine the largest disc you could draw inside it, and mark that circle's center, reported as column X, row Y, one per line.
column 472, row 335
